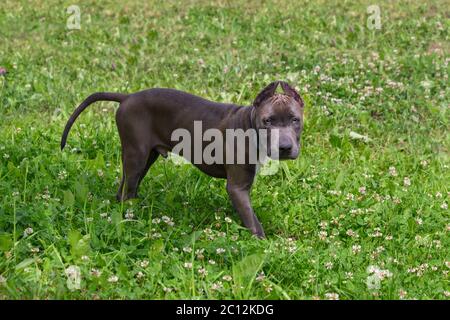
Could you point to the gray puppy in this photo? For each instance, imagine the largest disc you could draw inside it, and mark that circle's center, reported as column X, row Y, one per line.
column 147, row 119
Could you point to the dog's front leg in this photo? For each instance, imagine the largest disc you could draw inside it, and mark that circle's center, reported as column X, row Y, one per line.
column 239, row 182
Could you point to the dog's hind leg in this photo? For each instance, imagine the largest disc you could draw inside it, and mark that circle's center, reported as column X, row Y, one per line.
column 135, row 165
column 137, row 148
column 151, row 160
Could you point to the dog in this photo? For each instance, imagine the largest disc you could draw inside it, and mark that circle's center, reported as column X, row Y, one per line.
column 147, row 119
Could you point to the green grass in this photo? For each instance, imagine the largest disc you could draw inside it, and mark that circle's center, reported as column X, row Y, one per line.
column 324, row 230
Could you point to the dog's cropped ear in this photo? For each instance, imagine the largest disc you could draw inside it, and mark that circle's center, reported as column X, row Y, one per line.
column 266, row 93
column 288, row 90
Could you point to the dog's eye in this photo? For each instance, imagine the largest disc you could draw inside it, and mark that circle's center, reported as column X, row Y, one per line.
column 295, row 120
column 267, row 121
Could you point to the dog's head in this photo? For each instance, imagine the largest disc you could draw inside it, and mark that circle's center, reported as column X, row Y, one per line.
column 283, row 112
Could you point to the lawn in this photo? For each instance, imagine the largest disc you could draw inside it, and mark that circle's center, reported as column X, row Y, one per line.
column 361, row 214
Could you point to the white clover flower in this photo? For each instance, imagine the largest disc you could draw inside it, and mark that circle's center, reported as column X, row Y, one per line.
column 406, row 182
column 393, row 171
column 156, row 235
column 379, row 249
column 217, row 285
column 424, row 163
column 377, row 233
column 328, row 265
column 323, row 235
column 129, row 214
column 188, row 265
column 113, row 279
column 332, row 296
column 27, row 232
column 227, row 278
column 426, row 84
column 156, row 220
column 73, row 274
column 202, row 271
column 228, row 220
column 220, row 250
column 96, row 273
column 35, row 250
column 356, row 248
column 144, row 263
column 351, row 233
column 260, row 276
column 199, row 253
column 187, row 249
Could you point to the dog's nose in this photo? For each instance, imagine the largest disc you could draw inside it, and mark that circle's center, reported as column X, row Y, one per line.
column 285, row 148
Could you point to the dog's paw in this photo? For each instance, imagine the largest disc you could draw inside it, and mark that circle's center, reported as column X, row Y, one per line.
column 259, row 234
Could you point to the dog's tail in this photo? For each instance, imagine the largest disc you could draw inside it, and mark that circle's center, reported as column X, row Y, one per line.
column 105, row 96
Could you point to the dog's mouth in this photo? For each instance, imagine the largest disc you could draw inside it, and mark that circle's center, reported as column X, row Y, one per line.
column 284, row 156
column 288, row 157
